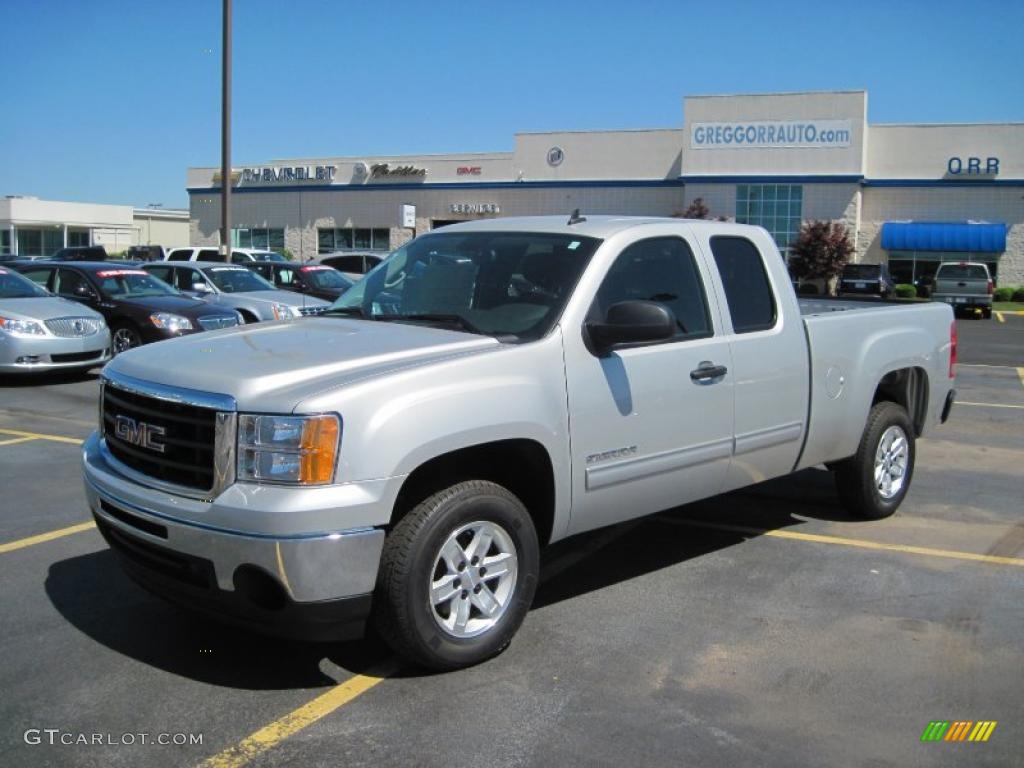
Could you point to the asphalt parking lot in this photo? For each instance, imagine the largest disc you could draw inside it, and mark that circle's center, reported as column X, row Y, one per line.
column 759, row 628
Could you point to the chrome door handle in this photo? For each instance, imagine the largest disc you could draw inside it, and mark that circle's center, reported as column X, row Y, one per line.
column 708, row 370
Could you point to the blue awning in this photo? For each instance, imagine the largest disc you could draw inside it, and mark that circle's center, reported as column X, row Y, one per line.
column 939, row 236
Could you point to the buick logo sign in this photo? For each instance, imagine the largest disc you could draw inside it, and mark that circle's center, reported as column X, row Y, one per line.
column 140, row 433
column 555, row 156
column 79, row 327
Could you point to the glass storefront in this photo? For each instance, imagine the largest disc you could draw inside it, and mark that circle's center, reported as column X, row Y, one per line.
column 914, row 266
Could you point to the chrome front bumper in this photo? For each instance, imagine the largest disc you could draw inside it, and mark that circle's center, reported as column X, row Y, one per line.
column 320, row 566
column 35, row 354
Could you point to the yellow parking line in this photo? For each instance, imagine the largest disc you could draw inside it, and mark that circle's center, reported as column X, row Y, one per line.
column 989, row 405
column 271, row 735
column 43, row 537
column 1020, row 374
column 818, row 538
column 16, row 440
column 999, row 317
column 40, row 436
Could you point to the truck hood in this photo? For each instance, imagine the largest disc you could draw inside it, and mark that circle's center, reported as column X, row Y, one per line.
column 45, row 308
column 288, row 298
column 271, row 367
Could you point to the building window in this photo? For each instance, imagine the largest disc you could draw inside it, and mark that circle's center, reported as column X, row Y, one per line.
column 347, row 239
column 5, row 241
column 917, row 266
column 78, row 238
column 776, row 207
column 39, row 242
column 259, row 238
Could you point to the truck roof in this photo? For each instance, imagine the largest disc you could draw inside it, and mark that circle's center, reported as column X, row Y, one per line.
column 593, row 226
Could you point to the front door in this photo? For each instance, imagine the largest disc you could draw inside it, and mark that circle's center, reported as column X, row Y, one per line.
column 649, row 429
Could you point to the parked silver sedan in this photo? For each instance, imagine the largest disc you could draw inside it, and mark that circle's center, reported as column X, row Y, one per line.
column 43, row 332
column 235, row 287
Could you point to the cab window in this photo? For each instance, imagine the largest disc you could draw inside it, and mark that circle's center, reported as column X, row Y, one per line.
column 747, row 289
column 72, row 284
column 663, row 270
column 39, row 276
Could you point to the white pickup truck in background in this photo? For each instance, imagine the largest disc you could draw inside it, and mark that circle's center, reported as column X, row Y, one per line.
column 489, row 389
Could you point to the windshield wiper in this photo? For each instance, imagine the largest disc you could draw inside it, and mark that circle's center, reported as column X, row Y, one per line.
column 435, row 317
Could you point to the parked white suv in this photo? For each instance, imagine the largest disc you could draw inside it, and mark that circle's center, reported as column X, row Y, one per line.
column 212, row 253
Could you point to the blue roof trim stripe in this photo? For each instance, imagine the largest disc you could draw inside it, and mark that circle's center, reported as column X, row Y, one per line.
column 778, row 179
column 598, row 183
column 943, row 183
column 943, row 236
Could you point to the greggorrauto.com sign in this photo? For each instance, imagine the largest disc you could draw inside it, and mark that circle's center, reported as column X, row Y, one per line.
column 771, row 133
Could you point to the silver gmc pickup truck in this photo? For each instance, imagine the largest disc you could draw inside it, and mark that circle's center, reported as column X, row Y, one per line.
column 489, row 389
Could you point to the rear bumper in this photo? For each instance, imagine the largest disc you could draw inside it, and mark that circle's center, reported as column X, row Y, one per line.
column 971, row 302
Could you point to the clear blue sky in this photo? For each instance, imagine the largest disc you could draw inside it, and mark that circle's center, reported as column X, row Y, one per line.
column 111, row 101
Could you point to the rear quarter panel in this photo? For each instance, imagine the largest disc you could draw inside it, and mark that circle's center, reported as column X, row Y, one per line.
column 850, row 354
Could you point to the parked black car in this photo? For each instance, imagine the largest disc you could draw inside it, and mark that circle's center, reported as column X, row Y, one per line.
column 80, row 253
column 866, row 280
column 138, row 307
column 317, row 280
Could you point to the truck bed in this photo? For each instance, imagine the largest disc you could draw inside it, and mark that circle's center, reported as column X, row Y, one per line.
column 824, row 306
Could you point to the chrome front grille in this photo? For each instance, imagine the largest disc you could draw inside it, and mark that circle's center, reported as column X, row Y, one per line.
column 175, row 439
column 213, row 322
column 73, row 327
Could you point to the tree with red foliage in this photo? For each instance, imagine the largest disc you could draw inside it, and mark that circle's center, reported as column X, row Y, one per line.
column 696, row 210
column 821, row 250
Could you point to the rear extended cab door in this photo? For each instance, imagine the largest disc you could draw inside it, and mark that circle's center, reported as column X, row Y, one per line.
column 647, row 431
column 761, row 321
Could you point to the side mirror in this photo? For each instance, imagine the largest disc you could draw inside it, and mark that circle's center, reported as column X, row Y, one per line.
column 83, row 291
column 631, row 322
column 200, row 286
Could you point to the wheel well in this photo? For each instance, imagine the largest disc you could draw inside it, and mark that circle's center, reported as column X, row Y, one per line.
column 521, row 466
column 248, row 316
column 907, row 387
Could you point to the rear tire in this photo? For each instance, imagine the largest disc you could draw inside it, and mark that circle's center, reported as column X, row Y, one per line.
column 457, row 576
column 873, row 482
column 986, row 313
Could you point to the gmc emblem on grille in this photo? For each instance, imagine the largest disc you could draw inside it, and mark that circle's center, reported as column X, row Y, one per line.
column 139, row 433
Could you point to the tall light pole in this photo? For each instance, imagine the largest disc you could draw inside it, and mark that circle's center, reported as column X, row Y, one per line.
column 225, row 136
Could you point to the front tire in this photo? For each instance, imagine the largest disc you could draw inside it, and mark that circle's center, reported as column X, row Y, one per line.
column 457, row 576
column 126, row 336
column 873, row 482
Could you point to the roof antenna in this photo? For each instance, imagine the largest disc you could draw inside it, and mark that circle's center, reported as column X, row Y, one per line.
column 575, row 218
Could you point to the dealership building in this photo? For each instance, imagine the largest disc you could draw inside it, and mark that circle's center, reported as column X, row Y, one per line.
column 910, row 194
column 31, row 228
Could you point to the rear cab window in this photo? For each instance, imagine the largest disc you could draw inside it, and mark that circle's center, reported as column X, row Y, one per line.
column 180, row 254
column 962, row 272
column 748, row 290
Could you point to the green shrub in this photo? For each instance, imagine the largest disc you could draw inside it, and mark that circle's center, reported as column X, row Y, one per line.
column 1003, row 294
column 906, row 291
column 1018, row 295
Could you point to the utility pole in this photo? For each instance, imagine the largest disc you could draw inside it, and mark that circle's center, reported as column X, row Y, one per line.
column 225, row 137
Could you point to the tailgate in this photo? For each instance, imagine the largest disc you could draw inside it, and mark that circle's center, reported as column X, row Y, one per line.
column 963, row 287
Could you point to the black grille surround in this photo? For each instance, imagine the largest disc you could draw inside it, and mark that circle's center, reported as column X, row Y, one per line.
column 189, row 437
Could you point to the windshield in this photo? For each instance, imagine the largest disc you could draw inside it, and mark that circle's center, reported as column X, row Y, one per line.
column 268, row 256
column 14, row 286
column 861, row 271
column 962, row 272
column 236, row 279
column 498, row 283
column 132, row 284
column 326, row 277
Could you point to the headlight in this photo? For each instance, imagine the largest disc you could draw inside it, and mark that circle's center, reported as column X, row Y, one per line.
column 284, row 312
column 169, row 322
column 299, row 450
column 21, row 327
